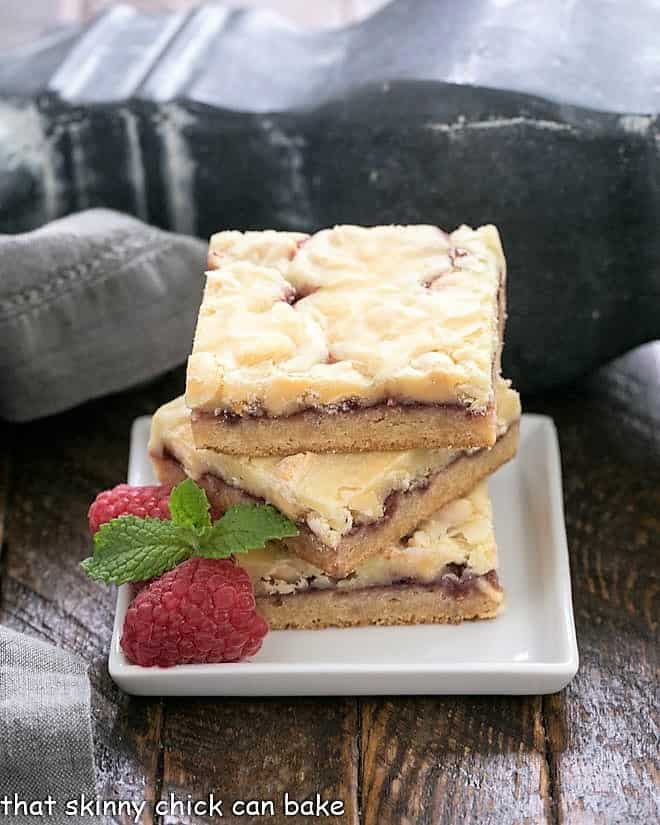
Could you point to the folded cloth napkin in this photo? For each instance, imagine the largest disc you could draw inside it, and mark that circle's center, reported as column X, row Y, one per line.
column 45, row 734
column 91, row 304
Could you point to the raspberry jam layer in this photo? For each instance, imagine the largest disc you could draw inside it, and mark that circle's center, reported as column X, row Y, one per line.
column 456, row 582
column 352, row 405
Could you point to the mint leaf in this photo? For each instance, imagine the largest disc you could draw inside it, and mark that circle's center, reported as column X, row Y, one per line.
column 129, row 548
column 189, row 506
column 244, row 527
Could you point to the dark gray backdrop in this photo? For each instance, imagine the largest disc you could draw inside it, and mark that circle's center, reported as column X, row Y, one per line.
column 537, row 116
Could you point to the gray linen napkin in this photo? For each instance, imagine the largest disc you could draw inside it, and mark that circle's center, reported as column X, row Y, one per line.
column 91, row 304
column 45, row 733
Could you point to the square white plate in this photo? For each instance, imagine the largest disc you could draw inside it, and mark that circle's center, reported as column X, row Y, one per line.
column 529, row 648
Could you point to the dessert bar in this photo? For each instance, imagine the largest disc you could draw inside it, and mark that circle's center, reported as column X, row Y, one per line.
column 446, row 571
column 352, row 339
column 348, row 507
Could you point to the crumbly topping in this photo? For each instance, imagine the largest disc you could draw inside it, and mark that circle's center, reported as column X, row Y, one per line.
column 460, row 533
column 351, row 314
column 331, row 493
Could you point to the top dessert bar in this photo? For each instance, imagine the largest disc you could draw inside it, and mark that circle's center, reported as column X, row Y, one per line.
column 352, row 339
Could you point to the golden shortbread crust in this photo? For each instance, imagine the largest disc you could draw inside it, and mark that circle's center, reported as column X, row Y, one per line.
column 363, row 429
column 394, row 605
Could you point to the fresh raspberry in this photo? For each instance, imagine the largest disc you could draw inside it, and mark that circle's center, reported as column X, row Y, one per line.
column 125, row 500
column 203, row 611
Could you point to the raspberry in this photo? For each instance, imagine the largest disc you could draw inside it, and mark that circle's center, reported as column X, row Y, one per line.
column 203, row 611
column 125, row 500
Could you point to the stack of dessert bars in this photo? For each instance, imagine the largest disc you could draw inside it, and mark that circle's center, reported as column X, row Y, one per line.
column 351, row 379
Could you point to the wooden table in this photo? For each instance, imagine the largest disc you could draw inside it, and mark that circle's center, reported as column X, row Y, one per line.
column 586, row 755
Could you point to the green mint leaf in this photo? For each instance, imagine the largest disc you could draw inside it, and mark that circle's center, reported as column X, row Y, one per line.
column 129, row 548
column 189, row 506
column 244, row 527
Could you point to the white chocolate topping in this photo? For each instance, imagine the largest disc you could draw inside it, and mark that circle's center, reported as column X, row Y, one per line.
column 459, row 533
column 330, row 492
column 351, row 314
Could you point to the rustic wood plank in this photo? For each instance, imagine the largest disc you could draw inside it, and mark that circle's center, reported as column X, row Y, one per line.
column 260, row 749
column 431, row 760
column 59, row 466
column 602, row 731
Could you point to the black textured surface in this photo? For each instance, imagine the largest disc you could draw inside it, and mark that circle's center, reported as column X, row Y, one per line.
column 221, row 118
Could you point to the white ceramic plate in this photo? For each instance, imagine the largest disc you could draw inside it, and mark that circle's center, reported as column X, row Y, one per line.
column 529, row 648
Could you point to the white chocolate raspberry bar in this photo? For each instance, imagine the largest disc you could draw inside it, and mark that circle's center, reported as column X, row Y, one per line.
column 348, row 507
column 353, row 339
column 446, row 571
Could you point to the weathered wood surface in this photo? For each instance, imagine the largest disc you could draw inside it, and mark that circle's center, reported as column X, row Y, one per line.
column 603, row 739
column 242, row 750
column 586, row 755
column 447, row 760
column 57, row 467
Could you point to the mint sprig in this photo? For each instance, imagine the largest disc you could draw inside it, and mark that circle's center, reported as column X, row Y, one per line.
column 129, row 548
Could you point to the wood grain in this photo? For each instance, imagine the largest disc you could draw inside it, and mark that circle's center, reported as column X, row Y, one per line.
column 602, row 731
column 431, row 760
column 258, row 750
column 58, row 467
